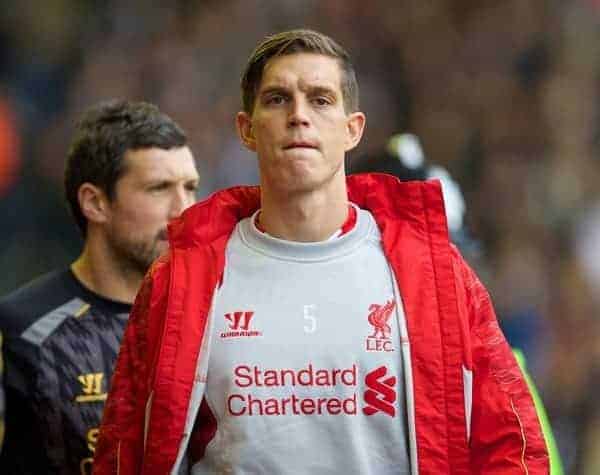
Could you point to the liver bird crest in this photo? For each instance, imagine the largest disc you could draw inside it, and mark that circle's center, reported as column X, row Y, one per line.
column 379, row 317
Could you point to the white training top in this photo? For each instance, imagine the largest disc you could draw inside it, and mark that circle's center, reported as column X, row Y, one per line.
column 305, row 368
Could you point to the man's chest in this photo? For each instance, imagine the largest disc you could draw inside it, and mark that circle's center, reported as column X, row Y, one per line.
column 303, row 332
column 312, row 350
column 73, row 378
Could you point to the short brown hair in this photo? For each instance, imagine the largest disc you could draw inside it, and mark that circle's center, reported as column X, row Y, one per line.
column 298, row 41
column 105, row 133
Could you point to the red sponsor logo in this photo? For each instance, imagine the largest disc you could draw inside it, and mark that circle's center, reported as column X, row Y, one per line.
column 381, row 395
column 248, row 405
column 379, row 316
column 249, row 376
column 239, row 325
column 249, row 400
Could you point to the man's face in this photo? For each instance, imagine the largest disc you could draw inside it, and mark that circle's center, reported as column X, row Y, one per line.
column 299, row 127
column 156, row 186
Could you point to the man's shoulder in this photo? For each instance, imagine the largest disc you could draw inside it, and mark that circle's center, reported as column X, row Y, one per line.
column 23, row 306
column 214, row 218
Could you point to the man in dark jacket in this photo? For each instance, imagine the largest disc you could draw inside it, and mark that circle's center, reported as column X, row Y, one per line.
column 128, row 172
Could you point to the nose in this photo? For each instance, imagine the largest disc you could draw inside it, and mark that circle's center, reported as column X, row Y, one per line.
column 181, row 199
column 298, row 115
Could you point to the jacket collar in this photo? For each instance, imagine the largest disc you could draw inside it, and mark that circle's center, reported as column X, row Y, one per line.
column 216, row 216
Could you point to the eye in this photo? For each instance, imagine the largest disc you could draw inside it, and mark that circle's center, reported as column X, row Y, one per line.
column 275, row 99
column 322, row 101
column 158, row 187
column 193, row 187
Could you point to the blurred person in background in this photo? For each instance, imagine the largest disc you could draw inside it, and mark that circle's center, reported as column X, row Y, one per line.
column 316, row 323
column 129, row 171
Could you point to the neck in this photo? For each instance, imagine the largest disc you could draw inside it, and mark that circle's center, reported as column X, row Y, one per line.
column 99, row 271
column 304, row 217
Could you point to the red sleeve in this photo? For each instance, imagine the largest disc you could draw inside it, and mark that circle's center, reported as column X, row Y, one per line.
column 506, row 437
column 120, row 446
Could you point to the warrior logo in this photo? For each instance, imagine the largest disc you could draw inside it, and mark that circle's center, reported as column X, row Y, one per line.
column 92, row 388
column 379, row 317
column 239, row 325
column 239, row 320
column 381, row 395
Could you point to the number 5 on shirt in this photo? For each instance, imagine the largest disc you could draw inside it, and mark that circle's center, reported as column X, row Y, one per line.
column 311, row 319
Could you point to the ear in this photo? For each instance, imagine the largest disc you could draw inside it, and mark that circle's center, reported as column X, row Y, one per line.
column 355, row 127
column 93, row 203
column 243, row 122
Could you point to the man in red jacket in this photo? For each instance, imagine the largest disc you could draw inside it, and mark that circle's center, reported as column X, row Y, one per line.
column 317, row 323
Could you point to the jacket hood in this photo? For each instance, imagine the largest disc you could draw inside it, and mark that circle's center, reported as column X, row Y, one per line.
column 216, row 216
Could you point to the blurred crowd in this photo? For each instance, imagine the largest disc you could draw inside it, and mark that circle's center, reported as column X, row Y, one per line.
column 502, row 93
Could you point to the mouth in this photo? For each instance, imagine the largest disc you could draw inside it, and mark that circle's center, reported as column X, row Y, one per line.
column 300, row 145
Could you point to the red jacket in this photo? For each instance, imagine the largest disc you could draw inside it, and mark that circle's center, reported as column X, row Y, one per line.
column 469, row 409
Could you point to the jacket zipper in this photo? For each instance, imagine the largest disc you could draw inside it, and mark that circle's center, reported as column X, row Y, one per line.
column 523, row 463
column 408, row 378
column 119, row 458
column 147, row 416
column 189, row 422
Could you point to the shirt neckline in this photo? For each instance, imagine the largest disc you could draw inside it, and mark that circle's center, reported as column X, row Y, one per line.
column 283, row 249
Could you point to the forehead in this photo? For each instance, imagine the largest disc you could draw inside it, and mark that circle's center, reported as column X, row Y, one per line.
column 156, row 163
column 302, row 70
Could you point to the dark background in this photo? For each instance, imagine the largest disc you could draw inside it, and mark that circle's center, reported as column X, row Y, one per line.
column 504, row 94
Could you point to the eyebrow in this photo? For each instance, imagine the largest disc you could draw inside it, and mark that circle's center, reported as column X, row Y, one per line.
column 151, row 181
column 316, row 89
column 273, row 89
column 326, row 90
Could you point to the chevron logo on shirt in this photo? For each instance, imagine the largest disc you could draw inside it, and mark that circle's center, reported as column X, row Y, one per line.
column 381, row 395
